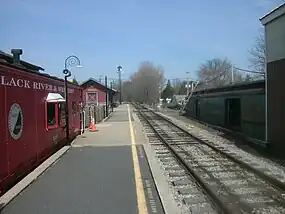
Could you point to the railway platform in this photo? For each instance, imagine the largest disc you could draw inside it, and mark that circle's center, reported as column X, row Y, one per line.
column 108, row 171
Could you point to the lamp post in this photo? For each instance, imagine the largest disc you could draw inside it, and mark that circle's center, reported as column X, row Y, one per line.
column 107, row 97
column 112, row 97
column 120, row 81
column 71, row 61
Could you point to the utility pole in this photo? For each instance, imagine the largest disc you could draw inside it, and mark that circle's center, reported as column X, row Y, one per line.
column 146, row 96
column 232, row 70
column 120, row 81
column 187, row 84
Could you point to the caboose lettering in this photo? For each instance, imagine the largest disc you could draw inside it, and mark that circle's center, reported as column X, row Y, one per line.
column 27, row 84
column 35, row 85
column 21, row 83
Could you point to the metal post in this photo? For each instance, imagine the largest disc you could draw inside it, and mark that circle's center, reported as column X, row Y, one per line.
column 120, row 82
column 146, row 93
column 66, row 108
column 69, row 61
column 112, row 97
column 106, row 85
column 187, row 86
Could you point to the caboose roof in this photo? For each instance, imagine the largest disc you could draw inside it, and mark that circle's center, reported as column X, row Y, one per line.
column 9, row 58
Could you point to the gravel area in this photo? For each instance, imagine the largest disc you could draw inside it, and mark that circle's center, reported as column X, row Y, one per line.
column 242, row 186
column 273, row 169
column 167, row 162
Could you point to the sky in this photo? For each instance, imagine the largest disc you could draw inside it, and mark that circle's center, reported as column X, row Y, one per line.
column 178, row 35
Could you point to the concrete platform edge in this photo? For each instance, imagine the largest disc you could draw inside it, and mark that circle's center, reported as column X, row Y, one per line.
column 27, row 180
column 107, row 117
column 165, row 194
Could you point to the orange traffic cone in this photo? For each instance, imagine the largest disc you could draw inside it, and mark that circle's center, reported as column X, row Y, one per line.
column 92, row 127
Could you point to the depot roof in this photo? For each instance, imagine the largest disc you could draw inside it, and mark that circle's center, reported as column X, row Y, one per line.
column 96, row 82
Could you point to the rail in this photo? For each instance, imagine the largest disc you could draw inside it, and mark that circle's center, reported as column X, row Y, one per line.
column 168, row 132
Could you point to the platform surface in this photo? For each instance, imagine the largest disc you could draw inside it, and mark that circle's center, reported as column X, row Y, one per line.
column 99, row 174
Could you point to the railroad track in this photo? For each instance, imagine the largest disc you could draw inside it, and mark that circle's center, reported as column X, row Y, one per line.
column 211, row 179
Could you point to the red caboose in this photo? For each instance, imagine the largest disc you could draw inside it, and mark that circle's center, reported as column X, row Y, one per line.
column 32, row 114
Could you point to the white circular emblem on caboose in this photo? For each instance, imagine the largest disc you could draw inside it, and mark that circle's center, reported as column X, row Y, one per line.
column 15, row 121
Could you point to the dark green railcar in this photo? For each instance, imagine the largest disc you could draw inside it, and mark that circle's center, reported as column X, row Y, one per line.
column 239, row 107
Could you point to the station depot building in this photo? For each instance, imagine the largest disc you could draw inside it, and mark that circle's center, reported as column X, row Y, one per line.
column 274, row 25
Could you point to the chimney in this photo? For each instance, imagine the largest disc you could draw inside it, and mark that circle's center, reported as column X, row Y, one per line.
column 16, row 55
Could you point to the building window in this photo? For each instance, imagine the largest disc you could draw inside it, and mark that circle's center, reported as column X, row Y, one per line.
column 92, row 97
column 51, row 115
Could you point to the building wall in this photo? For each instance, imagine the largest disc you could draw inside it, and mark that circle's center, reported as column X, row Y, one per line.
column 276, row 102
column 101, row 95
column 275, row 42
column 213, row 110
column 275, row 54
column 100, row 100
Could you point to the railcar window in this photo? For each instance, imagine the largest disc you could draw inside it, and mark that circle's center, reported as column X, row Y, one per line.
column 51, row 120
column 61, row 112
column 74, row 109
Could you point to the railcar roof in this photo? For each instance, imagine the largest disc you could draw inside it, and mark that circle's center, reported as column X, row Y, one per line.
column 233, row 87
column 27, row 67
column 9, row 58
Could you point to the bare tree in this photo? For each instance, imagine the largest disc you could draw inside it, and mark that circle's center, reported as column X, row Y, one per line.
column 145, row 83
column 179, row 86
column 217, row 72
column 257, row 57
column 127, row 94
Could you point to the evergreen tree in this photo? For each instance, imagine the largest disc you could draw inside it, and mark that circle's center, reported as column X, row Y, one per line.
column 168, row 91
column 75, row 81
column 183, row 89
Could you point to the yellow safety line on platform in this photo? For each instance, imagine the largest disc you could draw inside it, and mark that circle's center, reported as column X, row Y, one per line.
column 138, row 178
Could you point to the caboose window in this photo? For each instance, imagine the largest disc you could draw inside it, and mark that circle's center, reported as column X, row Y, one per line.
column 51, row 114
column 55, row 110
column 61, row 112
